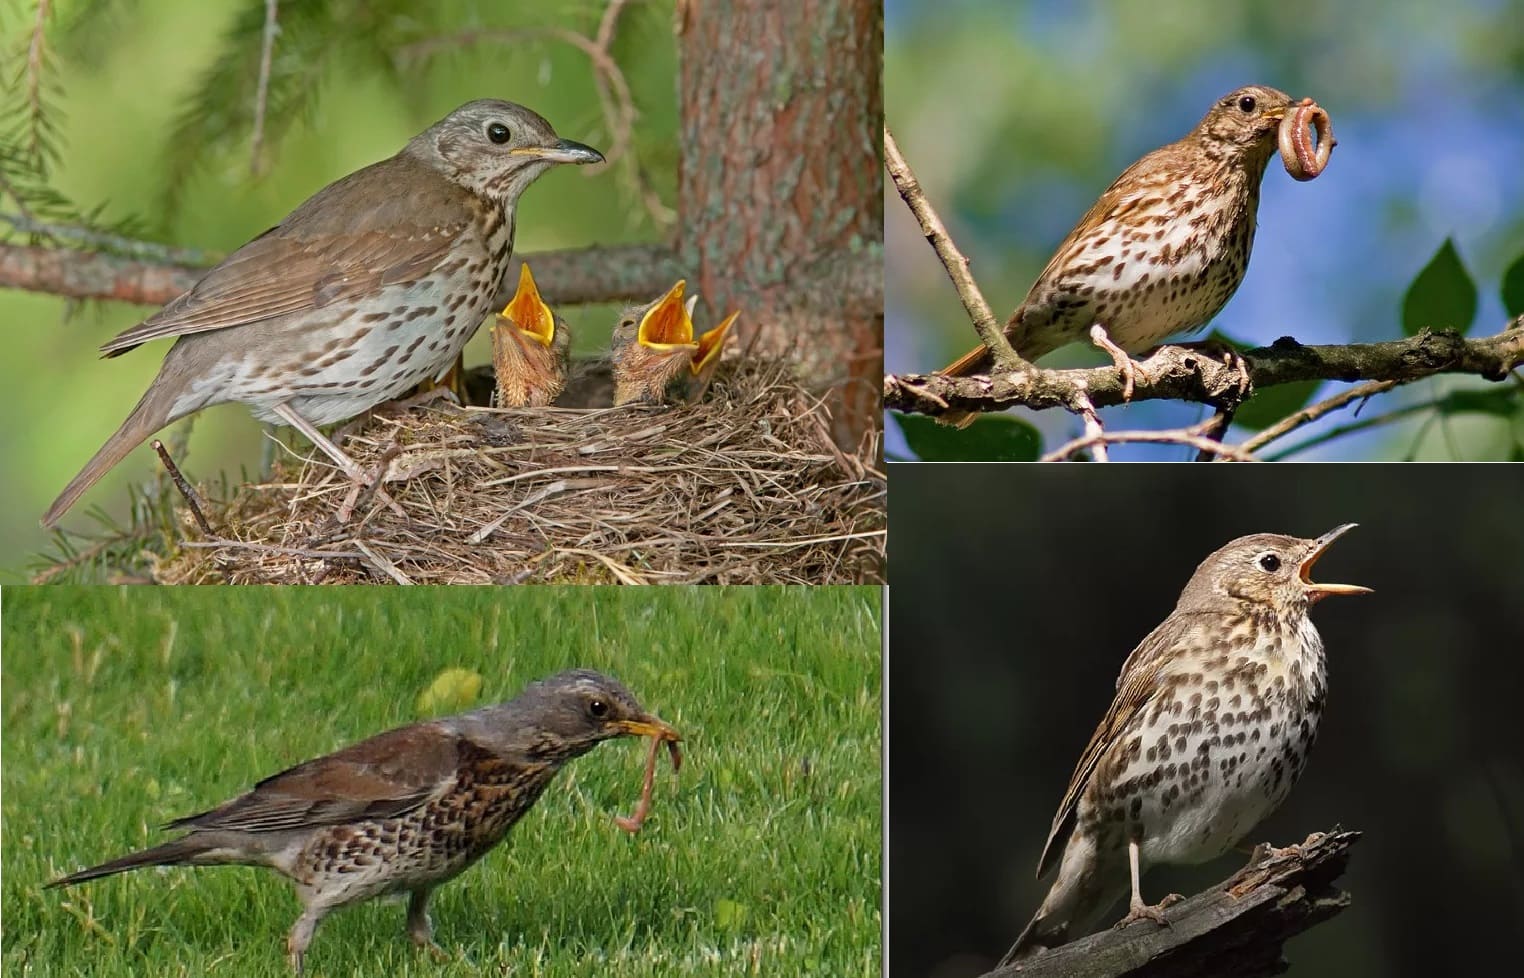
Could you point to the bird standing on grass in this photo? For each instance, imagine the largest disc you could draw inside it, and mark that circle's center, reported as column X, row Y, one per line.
column 1161, row 252
column 656, row 356
column 371, row 286
column 1214, row 715
column 406, row 810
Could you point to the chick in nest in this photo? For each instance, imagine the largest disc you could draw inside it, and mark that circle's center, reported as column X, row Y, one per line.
column 656, row 356
column 530, row 348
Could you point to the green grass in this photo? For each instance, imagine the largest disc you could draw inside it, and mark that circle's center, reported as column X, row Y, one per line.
column 124, row 708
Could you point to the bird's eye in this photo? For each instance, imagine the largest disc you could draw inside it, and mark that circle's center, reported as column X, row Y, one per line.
column 1269, row 563
column 598, row 708
column 1246, row 104
column 498, row 133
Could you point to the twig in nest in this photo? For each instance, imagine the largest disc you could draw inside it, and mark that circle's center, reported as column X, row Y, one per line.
column 191, row 499
column 1192, row 437
column 632, row 823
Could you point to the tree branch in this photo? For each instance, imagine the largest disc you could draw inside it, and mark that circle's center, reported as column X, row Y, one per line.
column 1235, row 928
column 1183, row 373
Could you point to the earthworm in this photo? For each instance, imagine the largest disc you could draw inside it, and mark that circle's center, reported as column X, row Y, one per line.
column 631, row 823
column 1299, row 157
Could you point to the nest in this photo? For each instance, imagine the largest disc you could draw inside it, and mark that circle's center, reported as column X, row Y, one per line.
column 746, row 487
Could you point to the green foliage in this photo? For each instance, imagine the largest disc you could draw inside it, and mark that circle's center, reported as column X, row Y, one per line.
column 131, row 706
column 991, row 438
column 1442, row 296
column 1513, row 287
column 1274, row 404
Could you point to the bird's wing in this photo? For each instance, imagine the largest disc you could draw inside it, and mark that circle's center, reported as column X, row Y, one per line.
column 1139, row 678
column 383, row 777
column 342, row 242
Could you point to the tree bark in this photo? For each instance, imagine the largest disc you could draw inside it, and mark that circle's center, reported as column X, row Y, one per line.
column 780, row 193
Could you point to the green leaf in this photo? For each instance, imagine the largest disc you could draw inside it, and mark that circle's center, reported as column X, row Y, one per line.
column 1443, row 296
column 991, row 438
column 453, row 690
column 1513, row 287
column 1272, row 404
column 729, row 915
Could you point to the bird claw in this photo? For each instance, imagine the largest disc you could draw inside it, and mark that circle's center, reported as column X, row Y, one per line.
column 1129, row 368
column 1155, row 912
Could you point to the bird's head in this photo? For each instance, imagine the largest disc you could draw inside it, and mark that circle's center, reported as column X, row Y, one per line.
column 575, row 711
column 1243, row 124
column 495, row 148
column 651, row 345
column 1266, row 569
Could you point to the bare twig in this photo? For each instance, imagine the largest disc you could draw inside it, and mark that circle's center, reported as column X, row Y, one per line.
column 1315, row 411
column 974, row 302
column 191, row 499
column 262, row 90
column 1237, row 927
column 1196, row 437
column 1185, row 374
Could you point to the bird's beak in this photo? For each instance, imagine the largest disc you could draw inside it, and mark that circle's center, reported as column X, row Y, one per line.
column 529, row 312
column 565, row 151
column 711, row 343
column 1278, row 114
column 648, row 726
column 1321, row 591
column 667, row 326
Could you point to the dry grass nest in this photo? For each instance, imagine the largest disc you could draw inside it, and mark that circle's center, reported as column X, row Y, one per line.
column 746, row 487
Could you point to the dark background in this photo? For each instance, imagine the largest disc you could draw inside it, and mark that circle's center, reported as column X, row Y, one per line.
column 1019, row 590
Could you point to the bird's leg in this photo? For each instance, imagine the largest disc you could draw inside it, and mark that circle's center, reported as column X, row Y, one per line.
column 419, row 927
column 1230, row 358
column 1136, row 908
column 1129, row 368
column 351, row 468
column 301, row 936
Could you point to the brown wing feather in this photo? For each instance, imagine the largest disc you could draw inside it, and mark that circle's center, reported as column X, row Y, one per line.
column 1139, row 677
column 351, row 238
column 383, row 777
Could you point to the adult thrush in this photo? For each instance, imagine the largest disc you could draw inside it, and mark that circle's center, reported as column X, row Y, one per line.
column 1214, row 715
column 656, row 356
column 369, row 287
column 531, row 347
column 406, row 810
column 1161, row 252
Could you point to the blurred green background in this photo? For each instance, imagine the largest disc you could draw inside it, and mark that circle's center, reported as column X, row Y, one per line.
column 122, row 76
column 1013, row 611
column 125, row 707
column 1016, row 114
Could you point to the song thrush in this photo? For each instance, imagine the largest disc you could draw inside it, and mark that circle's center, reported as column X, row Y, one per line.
column 1214, row 715
column 1163, row 249
column 406, row 810
column 369, row 287
column 656, row 355
column 531, row 347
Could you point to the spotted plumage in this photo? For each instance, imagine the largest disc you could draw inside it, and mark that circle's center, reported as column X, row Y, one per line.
column 1164, row 247
column 371, row 286
column 1214, row 715
column 406, row 810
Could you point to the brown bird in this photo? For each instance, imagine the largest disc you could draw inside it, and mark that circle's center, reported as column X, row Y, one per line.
column 1161, row 252
column 531, row 347
column 406, row 810
column 1214, row 715
column 368, row 288
column 655, row 354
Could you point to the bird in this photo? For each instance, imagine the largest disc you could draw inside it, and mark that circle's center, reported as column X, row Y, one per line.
column 531, row 347
column 1214, row 716
column 652, row 344
column 404, row 811
column 367, row 288
column 1162, row 250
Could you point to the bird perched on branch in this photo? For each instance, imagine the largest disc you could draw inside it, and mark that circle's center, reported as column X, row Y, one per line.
column 531, row 347
column 656, row 356
column 1214, row 715
column 369, row 287
column 406, row 810
column 1160, row 252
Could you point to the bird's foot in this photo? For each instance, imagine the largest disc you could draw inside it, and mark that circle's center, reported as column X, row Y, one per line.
column 1229, row 357
column 1139, row 910
column 1129, row 368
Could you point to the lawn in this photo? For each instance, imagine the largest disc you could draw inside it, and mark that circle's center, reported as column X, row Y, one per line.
column 126, row 707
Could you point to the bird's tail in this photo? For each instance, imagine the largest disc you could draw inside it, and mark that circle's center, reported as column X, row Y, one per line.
column 175, row 853
column 151, row 414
